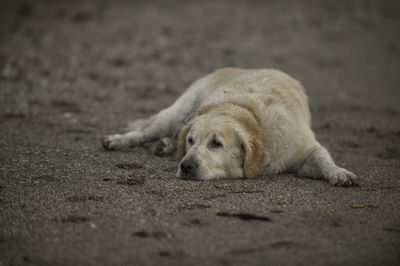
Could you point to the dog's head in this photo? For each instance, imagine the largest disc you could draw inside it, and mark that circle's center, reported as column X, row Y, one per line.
column 219, row 142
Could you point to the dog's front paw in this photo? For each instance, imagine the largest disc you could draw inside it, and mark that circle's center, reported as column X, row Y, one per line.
column 164, row 147
column 342, row 177
column 113, row 142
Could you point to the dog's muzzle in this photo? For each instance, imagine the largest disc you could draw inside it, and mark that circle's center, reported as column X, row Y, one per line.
column 189, row 169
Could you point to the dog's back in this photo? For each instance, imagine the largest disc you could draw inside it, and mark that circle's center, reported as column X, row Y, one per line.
column 261, row 83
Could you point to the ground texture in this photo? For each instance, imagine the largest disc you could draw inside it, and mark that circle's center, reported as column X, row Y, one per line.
column 73, row 71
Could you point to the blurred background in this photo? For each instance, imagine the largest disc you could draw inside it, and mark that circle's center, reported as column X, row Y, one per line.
column 115, row 52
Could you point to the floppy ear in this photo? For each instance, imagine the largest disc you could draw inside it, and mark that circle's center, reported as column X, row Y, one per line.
column 181, row 143
column 255, row 155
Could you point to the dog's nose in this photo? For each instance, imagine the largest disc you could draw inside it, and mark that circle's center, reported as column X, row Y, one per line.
column 188, row 166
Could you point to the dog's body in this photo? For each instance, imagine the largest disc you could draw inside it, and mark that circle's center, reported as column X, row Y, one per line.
column 233, row 122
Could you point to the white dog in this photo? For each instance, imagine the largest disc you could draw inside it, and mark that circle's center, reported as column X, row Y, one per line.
column 232, row 123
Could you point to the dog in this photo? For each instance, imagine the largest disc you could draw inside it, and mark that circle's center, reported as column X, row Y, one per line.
column 234, row 122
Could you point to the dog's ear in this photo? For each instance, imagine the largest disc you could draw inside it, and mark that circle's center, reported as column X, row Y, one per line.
column 255, row 155
column 181, row 143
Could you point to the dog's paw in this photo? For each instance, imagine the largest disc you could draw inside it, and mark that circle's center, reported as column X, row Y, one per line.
column 164, row 147
column 113, row 142
column 342, row 177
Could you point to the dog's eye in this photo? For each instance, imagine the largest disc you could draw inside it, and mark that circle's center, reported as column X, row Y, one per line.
column 190, row 141
column 215, row 144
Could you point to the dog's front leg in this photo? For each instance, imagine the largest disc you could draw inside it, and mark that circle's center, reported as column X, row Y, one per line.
column 319, row 164
column 165, row 147
column 121, row 141
column 159, row 126
column 162, row 125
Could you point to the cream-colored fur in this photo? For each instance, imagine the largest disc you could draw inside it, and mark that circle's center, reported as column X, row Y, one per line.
column 232, row 123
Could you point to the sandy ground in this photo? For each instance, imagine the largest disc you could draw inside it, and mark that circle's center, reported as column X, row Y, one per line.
column 73, row 71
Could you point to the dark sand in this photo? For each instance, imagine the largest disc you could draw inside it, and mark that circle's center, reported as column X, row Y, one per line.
column 73, row 71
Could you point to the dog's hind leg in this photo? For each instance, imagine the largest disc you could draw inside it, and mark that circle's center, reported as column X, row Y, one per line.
column 319, row 164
